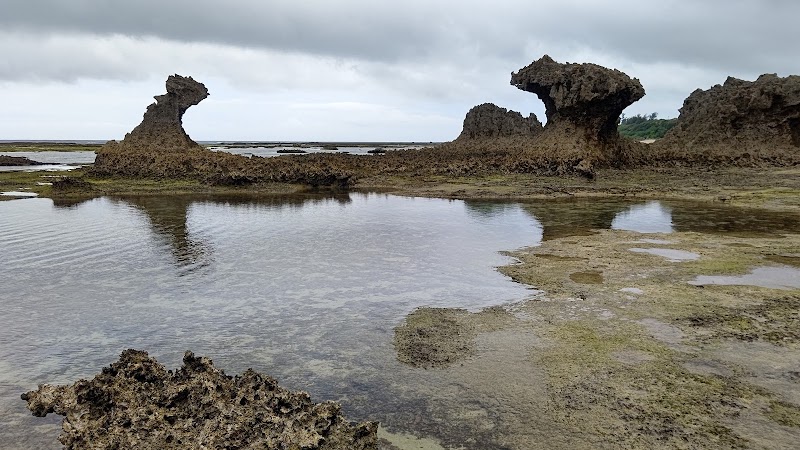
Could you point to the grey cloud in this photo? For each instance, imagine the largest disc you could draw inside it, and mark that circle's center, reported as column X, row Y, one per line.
column 742, row 35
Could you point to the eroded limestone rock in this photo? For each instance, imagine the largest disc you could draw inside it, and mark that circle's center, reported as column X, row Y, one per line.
column 740, row 121
column 489, row 121
column 162, row 125
column 583, row 103
column 137, row 403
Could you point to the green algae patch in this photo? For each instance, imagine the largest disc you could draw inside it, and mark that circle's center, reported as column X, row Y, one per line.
column 590, row 277
column 612, row 373
column 652, row 403
column 786, row 414
column 439, row 337
column 775, row 320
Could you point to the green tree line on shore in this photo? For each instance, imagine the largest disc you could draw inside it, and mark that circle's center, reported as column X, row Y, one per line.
column 647, row 126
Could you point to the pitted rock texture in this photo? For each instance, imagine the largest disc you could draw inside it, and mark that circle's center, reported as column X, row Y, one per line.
column 137, row 403
column 489, row 121
column 161, row 132
column 583, row 103
column 740, row 122
column 162, row 125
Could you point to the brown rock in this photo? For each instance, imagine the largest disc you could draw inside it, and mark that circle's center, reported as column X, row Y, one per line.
column 583, row 103
column 740, row 122
column 162, row 125
column 137, row 403
column 491, row 121
column 17, row 161
column 159, row 136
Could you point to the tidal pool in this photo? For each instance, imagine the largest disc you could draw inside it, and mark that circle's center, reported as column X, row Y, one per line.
column 307, row 289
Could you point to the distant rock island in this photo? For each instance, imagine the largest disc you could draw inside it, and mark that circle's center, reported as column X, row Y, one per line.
column 17, row 161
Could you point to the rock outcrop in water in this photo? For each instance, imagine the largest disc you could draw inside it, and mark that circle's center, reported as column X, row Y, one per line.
column 160, row 148
column 739, row 122
column 162, row 125
column 488, row 121
column 137, row 403
column 17, row 161
column 583, row 103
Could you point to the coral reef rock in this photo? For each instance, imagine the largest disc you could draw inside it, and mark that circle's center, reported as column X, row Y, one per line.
column 739, row 122
column 160, row 134
column 137, row 403
column 490, row 121
column 162, row 125
column 583, row 103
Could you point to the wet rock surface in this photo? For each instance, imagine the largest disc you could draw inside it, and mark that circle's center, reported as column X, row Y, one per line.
column 583, row 103
column 17, row 161
column 137, row 403
column 438, row 337
column 741, row 122
column 488, row 121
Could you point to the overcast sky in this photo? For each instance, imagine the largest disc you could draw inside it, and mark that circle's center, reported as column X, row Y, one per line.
column 358, row 69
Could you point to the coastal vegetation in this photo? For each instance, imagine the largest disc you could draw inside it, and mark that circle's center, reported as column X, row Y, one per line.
column 647, row 126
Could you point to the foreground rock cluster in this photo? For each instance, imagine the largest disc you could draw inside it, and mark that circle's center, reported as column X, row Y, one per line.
column 137, row 403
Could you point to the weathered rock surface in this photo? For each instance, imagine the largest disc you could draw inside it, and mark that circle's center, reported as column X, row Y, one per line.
column 160, row 148
column 137, row 403
column 162, row 125
column 489, row 121
column 740, row 122
column 583, row 103
column 17, row 161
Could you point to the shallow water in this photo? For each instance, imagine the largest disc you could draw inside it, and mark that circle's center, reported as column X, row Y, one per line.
column 307, row 289
column 780, row 277
column 61, row 158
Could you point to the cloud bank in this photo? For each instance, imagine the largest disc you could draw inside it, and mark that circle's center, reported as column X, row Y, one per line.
column 359, row 70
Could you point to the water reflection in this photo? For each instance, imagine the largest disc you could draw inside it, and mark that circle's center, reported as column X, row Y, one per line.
column 578, row 217
column 652, row 217
column 305, row 288
column 582, row 217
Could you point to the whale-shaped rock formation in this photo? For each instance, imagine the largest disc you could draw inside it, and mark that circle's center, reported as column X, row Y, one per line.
column 739, row 122
column 583, row 103
column 488, row 121
column 149, row 146
column 162, row 125
column 137, row 403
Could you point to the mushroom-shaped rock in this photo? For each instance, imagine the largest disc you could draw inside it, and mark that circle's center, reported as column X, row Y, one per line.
column 137, row 403
column 489, row 121
column 583, row 103
column 740, row 122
